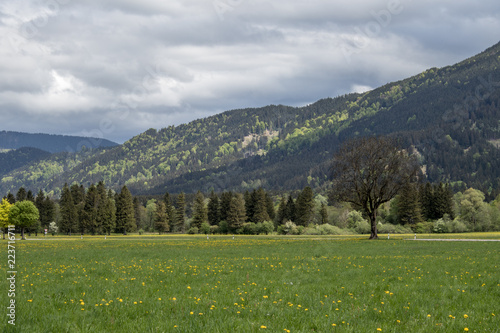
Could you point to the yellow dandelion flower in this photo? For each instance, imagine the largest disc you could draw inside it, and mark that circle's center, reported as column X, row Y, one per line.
column 466, row 329
column 466, row 316
column 263, row 326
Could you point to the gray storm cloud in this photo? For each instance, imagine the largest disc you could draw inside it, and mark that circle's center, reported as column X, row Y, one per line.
column 116, row 68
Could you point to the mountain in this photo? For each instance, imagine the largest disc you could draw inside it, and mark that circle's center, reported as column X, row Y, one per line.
column 13, row 159
column 51, row 143
column 449, row 116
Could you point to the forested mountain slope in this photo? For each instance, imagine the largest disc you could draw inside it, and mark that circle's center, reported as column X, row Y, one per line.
column 450, row 115
column 51, row 143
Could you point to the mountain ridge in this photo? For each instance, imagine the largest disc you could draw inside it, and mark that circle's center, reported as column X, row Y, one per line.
column 53, row 143
column 450, row 115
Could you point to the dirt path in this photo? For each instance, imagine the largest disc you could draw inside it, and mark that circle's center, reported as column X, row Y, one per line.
column 455, row 240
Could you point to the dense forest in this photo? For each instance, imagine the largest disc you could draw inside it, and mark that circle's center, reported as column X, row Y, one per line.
column 449, row 116
column 98, row 210
column 50, row 142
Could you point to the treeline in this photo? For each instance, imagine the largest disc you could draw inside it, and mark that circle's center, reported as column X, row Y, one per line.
column 98, row 210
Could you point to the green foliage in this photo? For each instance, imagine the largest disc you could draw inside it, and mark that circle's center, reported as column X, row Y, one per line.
column 23, row 214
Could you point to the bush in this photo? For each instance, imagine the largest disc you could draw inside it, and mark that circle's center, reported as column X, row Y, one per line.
column 289, row 228
column 214, row 229
column 386, row 228
column 362, row 227
column 267, row 227
column 456, row 225
column 205, row 228
column 440, row 227
column 249, row 228
column 141, row 231
column 423, row 227
column 193, row 231
column 353, row 218
column 223, row 227
column 53, row 228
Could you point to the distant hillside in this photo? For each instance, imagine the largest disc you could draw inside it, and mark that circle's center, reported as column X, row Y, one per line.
column 14, row 159
column 51, row 143
column 450, row 116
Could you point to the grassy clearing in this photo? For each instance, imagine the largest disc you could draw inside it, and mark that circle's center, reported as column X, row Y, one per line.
column 251, row 284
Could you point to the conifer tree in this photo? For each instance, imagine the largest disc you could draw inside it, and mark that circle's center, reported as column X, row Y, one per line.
column 180, row 212
column 225, row 203
column 270, row 207
column 199, row 211
column 281, row 216
column 305, row 207
column 69, row 216
column 109, row 213
column 290, row 209
column 30, row 196
column 161, row 218
column 169, row 209
column 323, row 214
column 11, row 198
column 21, row 194
column 125, row 216
column 90, row 221
column 409, row 206
column 213, row 213
column 250, row 202
column 259, row 206
column 236, row 215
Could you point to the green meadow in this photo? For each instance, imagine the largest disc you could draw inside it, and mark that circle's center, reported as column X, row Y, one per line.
column 180, row 283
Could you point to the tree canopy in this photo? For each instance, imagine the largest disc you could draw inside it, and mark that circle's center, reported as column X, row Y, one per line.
column 370, row 171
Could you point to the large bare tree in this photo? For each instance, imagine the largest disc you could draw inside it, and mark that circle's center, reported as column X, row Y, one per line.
column 370, row 171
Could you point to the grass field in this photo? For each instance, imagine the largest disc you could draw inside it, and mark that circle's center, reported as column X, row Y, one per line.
column 254, row 284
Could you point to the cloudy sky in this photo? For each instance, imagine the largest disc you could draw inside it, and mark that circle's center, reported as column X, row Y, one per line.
column 118, row 67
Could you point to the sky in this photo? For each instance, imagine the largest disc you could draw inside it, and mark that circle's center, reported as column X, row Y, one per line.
column 116, row 68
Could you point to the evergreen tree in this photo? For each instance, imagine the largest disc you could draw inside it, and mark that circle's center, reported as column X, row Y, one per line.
column 250, row 200
column 409, row 206
column 69, row 216
column 305, row 207
column 137, row 213
column 45, row 208
column 225, row 204
column 89, row 220
column 180, row 212
column 11, row 198
column 270, row 207
column 161, row 218
column 281, row 216
column 108, row 213
column 290, row 210
column 259, row 206
column 169, row 209
column 443, row 198
column 199, row 211
column 236, row 215
column 125, row 220
column 213, row 213
column 323, row 214
column 21, row 194
column 30, row 196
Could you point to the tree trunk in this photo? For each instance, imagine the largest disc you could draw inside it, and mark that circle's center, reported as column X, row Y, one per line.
column 373, row 223
column 22, row 234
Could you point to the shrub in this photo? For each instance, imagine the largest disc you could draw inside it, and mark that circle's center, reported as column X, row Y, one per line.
column 223, row 227
column 362, row 227
column 193, row 230
column 423, row 227
column 249, row 228
column 205, row 228
column 353, row 218
column 141, row 231
column 267, row 227
column 214, row 229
